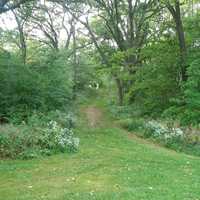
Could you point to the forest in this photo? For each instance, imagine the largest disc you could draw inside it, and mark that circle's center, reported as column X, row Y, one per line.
column 99, row 99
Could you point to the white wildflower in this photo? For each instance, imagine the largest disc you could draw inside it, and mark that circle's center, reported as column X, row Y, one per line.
column 61, row 136
column 159, row 130
column 76, row 142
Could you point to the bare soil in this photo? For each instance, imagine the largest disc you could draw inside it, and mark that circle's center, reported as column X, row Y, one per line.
column 93, row 116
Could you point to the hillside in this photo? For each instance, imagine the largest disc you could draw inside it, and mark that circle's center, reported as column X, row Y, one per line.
column 111, row 164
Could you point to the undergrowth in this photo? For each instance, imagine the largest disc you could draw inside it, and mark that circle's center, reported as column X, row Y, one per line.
column 40, row 135
column 165, row 133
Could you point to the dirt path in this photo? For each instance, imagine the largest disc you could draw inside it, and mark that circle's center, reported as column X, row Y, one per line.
column 93, row 116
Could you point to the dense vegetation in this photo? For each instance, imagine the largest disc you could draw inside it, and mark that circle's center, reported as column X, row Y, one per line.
column 140, row 59
column 147, row 52
column 109, row 165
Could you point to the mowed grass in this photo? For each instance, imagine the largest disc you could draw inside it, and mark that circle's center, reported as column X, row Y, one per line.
column 110, row 165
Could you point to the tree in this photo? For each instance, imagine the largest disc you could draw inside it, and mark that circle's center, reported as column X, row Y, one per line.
column 21, row 19
column 126, row 24
column 175, row 11
column 7, row 5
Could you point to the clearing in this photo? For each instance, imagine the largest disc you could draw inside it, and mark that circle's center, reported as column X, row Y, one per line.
column 110, row 165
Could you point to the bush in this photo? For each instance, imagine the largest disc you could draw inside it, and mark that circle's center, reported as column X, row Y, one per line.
column 132, row 124
column 122, row 112
column 192, row 94
column 166, row 133
column 56, row 137
column 186, row 108
column 37, row 137
column 40, row 87
column 41, row 119
column 156, row 82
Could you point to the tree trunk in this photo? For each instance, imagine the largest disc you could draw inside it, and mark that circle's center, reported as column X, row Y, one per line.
column 176, row 13
column 120, row 91
column 182, row 43
column 23, row 46
column 74, row 62
column 22, row 39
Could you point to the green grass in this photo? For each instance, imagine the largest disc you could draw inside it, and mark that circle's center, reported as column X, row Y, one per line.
column 110, row 165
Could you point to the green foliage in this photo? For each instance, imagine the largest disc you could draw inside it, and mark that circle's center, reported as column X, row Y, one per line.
column 165, row 133
column 25, row 88
column 192, row 94
column 120, row 112
column 155, row 83
column 185, row 108
column 111, row 165
column 132, row 124
column 39, row 136
column 120, row 66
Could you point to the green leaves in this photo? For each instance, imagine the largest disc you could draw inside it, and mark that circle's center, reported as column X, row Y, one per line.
column 41, row 85
column 192, row 92
column 155, row 82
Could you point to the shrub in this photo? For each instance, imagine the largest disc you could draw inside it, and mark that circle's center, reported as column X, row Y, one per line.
column 135, row 124
column 37, row 137
column 186, row 108
column 44, row 86
column 122, row 112
column 166, row 133
column 192, row 94
column 41, row 119
column 56, row 137
column 156, row 82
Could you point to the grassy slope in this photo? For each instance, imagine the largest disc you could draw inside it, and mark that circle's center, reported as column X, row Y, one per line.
column 109, row 166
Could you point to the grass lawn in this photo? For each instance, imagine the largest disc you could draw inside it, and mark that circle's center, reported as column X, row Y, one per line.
column 110, row 165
